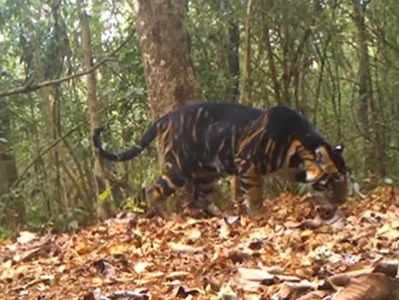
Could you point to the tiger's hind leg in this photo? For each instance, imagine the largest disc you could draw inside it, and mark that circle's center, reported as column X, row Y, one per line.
column 157, row 194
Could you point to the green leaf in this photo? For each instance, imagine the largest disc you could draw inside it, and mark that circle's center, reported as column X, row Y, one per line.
column 105, row 195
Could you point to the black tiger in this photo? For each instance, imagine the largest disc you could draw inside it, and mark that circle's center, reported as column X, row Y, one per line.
column 201, row 142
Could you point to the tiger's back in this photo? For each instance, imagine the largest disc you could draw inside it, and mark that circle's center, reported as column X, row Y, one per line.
column 204, row 136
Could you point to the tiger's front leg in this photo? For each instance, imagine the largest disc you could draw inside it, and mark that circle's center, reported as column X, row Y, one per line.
column 251, row 186
column 206, row 192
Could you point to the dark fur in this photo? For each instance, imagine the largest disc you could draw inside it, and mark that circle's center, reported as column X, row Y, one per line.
column 202, row 141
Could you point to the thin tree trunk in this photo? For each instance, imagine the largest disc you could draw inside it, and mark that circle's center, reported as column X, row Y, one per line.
column 104, row 205
column 322, row 53
column 85, row 188
column 364, row 75
column 39, row 165
column 8, row 174
column 56, row 132
column 233, row 49
column 366, row 108
column 45, row 109
column 272, row 66
column 57, row 71
column 245, row 86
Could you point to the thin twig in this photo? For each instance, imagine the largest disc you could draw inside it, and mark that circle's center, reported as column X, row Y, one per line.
column 43, row 152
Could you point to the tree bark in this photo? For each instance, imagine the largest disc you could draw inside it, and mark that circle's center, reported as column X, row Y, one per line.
column 364, row 75
column 168, row 68
column 366, row 111
column 245, row 94
column 233, row 54
column 45, row 107
column 104, row 205
column 164, row 43
column 9, row 174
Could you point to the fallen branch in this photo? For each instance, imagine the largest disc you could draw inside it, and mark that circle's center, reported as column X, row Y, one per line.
column 124, row 295
column 42, row 279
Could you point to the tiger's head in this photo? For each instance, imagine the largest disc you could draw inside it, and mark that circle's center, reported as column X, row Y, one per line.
column 313, row 159
column 323, row 166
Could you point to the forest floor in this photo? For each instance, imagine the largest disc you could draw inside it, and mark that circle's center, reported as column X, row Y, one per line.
column 131, row 257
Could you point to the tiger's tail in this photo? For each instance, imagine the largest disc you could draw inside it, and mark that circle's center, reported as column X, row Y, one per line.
column 147, row 138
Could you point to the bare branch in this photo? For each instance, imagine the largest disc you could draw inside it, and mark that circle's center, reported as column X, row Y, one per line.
column 34, row 87
column 43, row 152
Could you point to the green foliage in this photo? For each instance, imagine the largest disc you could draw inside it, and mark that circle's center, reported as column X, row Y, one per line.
column 5, row 233
column 208, row 23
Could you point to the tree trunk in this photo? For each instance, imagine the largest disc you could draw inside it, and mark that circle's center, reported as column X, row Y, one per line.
column 164, row 44
column 56, row 93
column 104, row 205
column 233, row 54
column 45, row 107
column 168, row 68
column 8, row 173
column 245, row 94
column 364, row 75
column 272, row 65
column 57, row 152
column 366, row 107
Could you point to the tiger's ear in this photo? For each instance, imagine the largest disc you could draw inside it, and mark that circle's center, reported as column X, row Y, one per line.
column 339, row 149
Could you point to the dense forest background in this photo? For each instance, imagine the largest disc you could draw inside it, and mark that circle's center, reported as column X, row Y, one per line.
column 335, row 61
